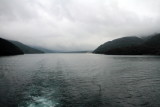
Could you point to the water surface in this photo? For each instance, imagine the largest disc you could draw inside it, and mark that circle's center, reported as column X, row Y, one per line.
column 79, row 80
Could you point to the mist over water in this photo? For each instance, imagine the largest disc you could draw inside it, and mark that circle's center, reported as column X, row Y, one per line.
column 79, row 80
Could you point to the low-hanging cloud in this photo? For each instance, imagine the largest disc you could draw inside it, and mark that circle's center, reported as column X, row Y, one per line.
column 76, row 24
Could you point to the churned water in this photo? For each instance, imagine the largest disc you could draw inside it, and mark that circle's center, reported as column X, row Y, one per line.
column 79, row 80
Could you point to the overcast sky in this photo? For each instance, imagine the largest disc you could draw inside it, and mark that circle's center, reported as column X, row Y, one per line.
column 76, row 24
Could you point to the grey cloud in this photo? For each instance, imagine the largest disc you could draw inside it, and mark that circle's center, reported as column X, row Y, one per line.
column 76, row 24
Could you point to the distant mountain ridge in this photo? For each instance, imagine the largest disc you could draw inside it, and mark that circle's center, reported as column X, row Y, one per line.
column 131, row 46
column 25, row 48
column 11, row 47
column 7, row 48
column 45, row 50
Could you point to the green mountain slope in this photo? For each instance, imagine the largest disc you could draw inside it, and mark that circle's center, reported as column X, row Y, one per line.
column 7, row 48
column 26, row 49
column 131, row 46
column 118, row 43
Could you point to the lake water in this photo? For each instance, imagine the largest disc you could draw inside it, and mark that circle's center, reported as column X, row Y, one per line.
column 79, row 80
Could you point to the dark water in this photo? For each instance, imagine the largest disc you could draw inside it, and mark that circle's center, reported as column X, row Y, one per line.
column 79, row 80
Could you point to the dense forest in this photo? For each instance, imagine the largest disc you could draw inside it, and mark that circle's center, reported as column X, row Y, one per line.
column 7, row 48
column 131, row 46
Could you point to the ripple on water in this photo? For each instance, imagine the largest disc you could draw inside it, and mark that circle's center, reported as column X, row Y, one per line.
column 79, row 80
column 42, row 102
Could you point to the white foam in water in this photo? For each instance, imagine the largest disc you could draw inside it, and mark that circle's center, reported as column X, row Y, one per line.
column 42, row 102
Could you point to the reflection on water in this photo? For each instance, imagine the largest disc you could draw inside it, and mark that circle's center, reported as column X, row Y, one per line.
column 79, row 80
